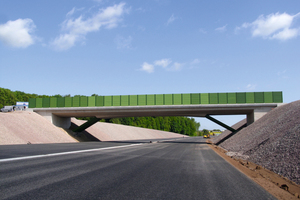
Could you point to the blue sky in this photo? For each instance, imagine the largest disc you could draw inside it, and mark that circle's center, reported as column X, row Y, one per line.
column 150, row 47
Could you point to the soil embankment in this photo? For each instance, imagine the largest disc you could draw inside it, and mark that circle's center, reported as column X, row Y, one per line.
column 22, row 127
column 116, row 132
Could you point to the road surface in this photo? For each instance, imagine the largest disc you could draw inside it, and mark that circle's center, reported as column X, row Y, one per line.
column 177, row 169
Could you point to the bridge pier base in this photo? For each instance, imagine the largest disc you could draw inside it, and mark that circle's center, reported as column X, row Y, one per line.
column 62, row 122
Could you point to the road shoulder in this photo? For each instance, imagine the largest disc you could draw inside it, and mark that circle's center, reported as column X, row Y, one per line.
column 278, row 186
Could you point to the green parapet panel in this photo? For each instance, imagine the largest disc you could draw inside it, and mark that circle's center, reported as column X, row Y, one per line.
column 259, row 97
column 32, row 103
column 277, row 97
column 177, row 99
column 168, row 99
column 195, row 98
column 250, row 97
column 76, row 101
column 60, row 102
column 268, row 97
column 186, row 99
column 231, row 98
column 150, row 99
column 204, row 98
column 124, row 100
column 223, row 98
column 68, row 101
column 107, row 100
column 159, row 99
column 213, row 98
column 142, row 100
column 53, row 102
column 46, row 102
column 39, row 103
column 99, row 101
column 83, row 101
column 133, row 100
column 92, row 101
column 241, row 97
column 116, row 100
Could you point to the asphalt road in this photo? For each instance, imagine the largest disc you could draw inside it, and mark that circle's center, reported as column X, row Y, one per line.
column 178, row 169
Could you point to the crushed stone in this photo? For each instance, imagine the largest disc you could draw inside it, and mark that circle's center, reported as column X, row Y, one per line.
column 273, row 141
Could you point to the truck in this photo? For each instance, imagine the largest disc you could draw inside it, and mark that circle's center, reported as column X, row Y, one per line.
column 20, row 106
column 7, row 109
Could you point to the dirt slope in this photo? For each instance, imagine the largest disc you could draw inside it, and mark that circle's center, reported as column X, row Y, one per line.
column 117, row 132
column 21, row 127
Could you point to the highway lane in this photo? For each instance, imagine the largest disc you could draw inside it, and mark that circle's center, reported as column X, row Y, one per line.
column 179, row 169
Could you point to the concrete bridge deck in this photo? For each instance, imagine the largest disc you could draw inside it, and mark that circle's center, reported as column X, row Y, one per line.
column 61, row 116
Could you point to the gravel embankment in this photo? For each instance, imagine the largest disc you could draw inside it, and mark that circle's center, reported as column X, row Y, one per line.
column 273, row 141
column 227, row 133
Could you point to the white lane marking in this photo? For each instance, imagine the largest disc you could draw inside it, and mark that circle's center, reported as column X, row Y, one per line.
column 65, row 153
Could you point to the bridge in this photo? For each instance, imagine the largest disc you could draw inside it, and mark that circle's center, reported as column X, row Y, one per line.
column 60, row 110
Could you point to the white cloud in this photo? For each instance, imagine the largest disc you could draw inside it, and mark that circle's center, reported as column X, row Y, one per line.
column 203, row 31
column 65, row 41
column 17, row 33
column 171, row 19
column 175, row 67
column 273, row 26
column 71, row 12
column 147, row 67
column 251, row 87
column 123, row 43
column 76, row 29
column 286, row 34
column 163, row 62
column 195, row 61
column 282, row 74
column 221, row 29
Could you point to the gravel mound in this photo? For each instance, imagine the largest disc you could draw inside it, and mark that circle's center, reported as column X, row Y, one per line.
column 22, row 127
column 228, row 133
column 273, row 141
column 116, row 132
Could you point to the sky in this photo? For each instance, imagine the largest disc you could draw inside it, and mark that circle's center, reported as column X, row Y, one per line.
column 130, row 47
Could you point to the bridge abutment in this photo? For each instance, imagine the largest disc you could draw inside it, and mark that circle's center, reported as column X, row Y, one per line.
column 257, row 114
column 62, row 122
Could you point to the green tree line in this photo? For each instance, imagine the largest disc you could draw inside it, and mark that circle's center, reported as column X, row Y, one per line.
column 182, row 125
